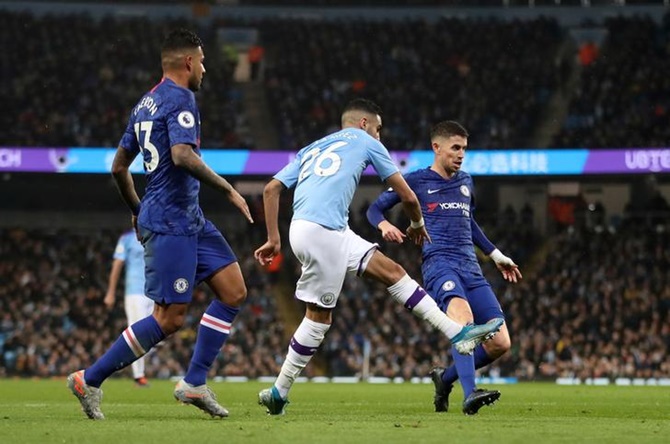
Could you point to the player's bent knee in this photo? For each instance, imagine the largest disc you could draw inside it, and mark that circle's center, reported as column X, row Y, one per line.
column 505, row 344
column 383, row 269
column 318, row 314
column 170, row 318
column 394, row 272
column 459, row 310
column 234, row 298
column 499, row 345
column 170, row 325
column 228, row 285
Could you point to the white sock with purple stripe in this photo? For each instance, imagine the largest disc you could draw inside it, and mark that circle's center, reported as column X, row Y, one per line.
column 212, row 334
column 410, row 294
column 304, row 343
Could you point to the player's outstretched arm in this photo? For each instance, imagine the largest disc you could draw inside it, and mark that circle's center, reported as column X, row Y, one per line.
column 507, row 267
column 271, row 248
column 417, row 229
column 375, row 215
column 183, row 156
column 124, row 180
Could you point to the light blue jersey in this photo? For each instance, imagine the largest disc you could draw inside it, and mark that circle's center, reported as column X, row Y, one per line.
column 326, row 173
column 131, row 252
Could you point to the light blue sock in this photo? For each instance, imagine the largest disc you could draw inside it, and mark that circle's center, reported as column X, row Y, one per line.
column 134, row 342
column 212, row 334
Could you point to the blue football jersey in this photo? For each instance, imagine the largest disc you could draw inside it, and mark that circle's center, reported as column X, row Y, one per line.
column 447, row 207
column 130, row 251
column 326, row 173
column 166, row 116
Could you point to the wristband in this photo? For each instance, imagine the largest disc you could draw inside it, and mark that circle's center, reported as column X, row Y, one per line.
column 497, row 256
column 418, row 224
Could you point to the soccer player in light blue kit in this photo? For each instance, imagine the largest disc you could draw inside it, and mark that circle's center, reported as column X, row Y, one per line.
column 181, row 247
column 129, row 254
column 450, row 268
column 325, row 175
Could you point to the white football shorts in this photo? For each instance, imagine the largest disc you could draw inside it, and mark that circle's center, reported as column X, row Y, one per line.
column 137, row 307
column 326, row 256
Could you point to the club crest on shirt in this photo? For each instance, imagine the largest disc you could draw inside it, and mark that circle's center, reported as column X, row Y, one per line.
column 186, row 119
column 327, row 299
column 181, row 285
column 465, row 191
column 449, row 285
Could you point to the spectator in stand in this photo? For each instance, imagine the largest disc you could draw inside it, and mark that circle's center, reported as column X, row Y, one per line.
column 607, row 293
column 412, row 68
column 53, row 318
column 622, row 96
column 55, row 99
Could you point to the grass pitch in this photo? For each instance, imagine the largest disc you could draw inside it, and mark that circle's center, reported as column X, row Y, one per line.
column 44, row 411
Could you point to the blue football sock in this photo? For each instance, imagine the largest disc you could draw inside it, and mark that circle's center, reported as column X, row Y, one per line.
column 213, row 332
column 465, row 367
column 134, row 342
column 450, row 375
column 481, row 359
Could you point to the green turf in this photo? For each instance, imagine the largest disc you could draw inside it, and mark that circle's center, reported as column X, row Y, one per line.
column 43, row 411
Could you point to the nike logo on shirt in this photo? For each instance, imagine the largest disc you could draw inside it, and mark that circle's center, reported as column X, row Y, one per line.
column 433, row 191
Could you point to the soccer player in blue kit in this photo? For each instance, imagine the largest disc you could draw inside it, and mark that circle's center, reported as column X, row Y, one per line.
column 325, row 175
column 181, row 247
column 450, row 269
column 129, row 254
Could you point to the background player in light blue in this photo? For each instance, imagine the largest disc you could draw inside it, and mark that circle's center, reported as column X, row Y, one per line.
column 450, row 268
column 325, row 175
column 129, row 253
column 181, row 247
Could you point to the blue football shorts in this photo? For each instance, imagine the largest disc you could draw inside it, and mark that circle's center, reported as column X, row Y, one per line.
column 174, row 265
column 451, row 283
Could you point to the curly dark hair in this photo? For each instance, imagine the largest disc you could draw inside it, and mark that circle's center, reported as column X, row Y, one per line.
column 180, row 39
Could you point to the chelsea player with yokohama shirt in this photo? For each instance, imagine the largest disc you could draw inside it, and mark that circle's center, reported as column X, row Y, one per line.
column 325, row 175
column 450, row 269
column 181, row 247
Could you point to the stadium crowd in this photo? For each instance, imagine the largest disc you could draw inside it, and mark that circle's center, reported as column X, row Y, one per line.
column 54, row 320
column 595, row 302
column 417, row 71
column 68, row 84
column 623, row 97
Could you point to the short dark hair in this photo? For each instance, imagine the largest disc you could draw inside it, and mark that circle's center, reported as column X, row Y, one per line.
column 447, row 129
column 364, row 105
column 180, row 39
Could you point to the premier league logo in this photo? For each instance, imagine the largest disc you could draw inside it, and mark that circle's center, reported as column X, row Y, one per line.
column 465, row 191
column 186, row 119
